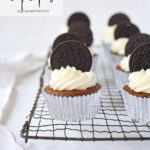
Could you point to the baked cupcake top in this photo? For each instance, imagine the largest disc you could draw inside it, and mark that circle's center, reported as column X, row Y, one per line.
column 70, row 78
column 139, row 64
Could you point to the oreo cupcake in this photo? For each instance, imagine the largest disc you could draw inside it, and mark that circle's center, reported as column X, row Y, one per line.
column 76, row 17
column 122, row 34
column 122, row 70
column 108, row 33
column 73, row 93
column 136, row 93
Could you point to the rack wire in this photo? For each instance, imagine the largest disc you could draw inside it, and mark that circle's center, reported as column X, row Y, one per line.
column 110, row 124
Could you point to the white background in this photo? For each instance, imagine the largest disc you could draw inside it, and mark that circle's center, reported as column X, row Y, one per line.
column 37, row 33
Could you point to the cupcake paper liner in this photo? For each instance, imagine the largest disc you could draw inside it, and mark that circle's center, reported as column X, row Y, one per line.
column 121, row 78
column 137, row 108
column 73, row 108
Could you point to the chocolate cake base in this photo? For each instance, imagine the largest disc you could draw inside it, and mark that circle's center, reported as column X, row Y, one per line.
column 126, row 88
column 72, row 93
column 114, row 53
column 119, row 68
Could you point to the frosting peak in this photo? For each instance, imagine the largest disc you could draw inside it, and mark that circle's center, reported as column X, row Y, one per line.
column 118, row 46
column 108, row 34
column 71, row 79
column 140, row 81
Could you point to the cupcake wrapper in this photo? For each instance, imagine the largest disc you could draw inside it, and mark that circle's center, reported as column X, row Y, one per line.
column 73, row 108
column 113, row 59
column 137, row 108
column 121, row 78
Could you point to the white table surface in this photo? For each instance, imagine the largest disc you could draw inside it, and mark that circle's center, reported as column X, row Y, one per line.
column 37, row 33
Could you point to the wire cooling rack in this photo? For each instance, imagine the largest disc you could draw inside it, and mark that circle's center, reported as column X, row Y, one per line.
column 111, row 123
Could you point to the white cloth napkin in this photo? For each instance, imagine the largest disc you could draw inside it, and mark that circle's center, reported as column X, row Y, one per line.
column 13, row 66
column 7, row 140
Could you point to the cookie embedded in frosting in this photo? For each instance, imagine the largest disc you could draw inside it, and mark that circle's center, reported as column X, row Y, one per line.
column 71, row 53
column 125, row 30
column 65, row 37
column 118, row 18
column 78, row 16
column 140, row 58
column 135, row 41
column 70, row 78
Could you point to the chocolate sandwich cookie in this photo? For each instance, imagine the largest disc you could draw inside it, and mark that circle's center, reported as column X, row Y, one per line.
column 135, row 41
column 118, row 18
column 140, row 58
column 71, row 53
column 84, row 33
column 79, row 16
column 79, row 24
column 65, row 37
column 126, row 30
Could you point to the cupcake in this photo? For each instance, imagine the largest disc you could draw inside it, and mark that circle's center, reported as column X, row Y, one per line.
column 136, row 93
column 122, row 34
column 108, row 36
column 73, row 93
column 76, row 17
column 108, row 33
column 122, row 70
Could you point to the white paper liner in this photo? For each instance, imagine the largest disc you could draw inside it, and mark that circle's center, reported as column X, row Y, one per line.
column 113, row 59
column 121, row 78
column 73, row 108
column 137, row 108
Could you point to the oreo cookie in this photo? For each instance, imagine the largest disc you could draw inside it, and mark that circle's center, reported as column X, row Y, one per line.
column 65, row 37
column 72, row 53
column 84, row 33
column 140, row 58
column 79, row 16
column 79, row 24
column 126, row 30
column 135, row 41
column 118, row 19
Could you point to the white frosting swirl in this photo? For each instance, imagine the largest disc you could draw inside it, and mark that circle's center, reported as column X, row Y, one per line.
column 71, row 79
column 64, row 30
column 140, row 81
column 124, row 64
column 108, row 34
column 91, row 51
column 118, row 46
column 48, row 62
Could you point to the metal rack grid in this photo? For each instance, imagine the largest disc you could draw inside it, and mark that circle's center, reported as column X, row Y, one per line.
column 111, row 123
